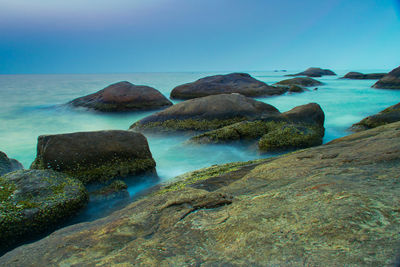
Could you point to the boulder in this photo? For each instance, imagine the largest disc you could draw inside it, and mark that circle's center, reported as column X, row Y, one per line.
column 390, row 80
column 389, row 115
column 331, row 205
column 314, row 72
column 36, row 201
column 241, row 83
column 8, row 165
column 361, row 76
column 296, row 89
column 123, row 96
column 299, row 81
column 95, row 156
column 205, row 113
column 117, row 189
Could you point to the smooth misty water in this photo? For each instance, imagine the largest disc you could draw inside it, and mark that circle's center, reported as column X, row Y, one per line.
column 31, row 106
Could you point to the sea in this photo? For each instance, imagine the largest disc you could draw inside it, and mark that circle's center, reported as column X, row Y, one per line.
column 33, row 105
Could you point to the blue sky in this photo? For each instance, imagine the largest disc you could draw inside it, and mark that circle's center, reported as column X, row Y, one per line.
column 97, row 36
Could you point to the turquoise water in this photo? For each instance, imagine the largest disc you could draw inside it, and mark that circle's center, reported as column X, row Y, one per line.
column 32, row 106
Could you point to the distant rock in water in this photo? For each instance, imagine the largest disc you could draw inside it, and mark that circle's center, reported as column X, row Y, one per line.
column 390, row 80
column 241, row 83
column 389, row 115
column 314, row 72
column 36, row 201
column 205, row 113
column 300, row 81
column 361, row 76
column 123, row 96
column 8, row 165
column 95, row 156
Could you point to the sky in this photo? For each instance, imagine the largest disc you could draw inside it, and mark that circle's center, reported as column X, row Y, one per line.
column 104, row 36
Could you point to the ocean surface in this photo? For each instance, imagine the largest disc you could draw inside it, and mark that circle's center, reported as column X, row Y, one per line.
column 32, row 105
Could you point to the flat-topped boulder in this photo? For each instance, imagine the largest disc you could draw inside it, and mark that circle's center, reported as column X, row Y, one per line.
column 123, row 96
column 8, row 165
column 390, row 80
column 361, row 76
column 331, row 205
column 314, row 72
column 96, row 156
column 299, row 81
column 388, row 115
column 36, row 201
column 205, row 113
column 241, row 83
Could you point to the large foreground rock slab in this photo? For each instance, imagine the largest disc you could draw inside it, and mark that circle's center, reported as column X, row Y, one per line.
column 8, row 165
column 332, row 205
column 314, row 72
column 388, row 115
column 36, row 201
column 241, row 83
column 95, row 156
column 361, row 76
column 390, row 80
column 205, row 113
column 123, row 96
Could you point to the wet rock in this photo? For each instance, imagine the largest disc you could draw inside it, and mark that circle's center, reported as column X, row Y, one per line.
column 123, row 96
column 95, row 156
column 299, row 81
column 390, row 80
column 389, row 115
column 314, row 72
column 241, row 83
column 117, row 189
column 296, row 89
column 361, row 76
column 36, row 201
column 8, row 165
column 205, row 113
column 335, row 204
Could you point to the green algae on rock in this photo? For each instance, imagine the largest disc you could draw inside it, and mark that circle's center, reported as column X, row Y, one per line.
column 35, row 201
column 335, row 204
column 8, row 165
column 95, row 156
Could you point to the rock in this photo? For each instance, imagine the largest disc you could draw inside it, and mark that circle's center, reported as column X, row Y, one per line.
column 389, row 115
column 241, row 83
column 314, row 72
column 300, row 81
column 34, row 202
column 205, row 113
column 390, row 80
column 335, row 204
column 300, row 127
column 296, row 89
column 115, row 190
column 123, row 96
column 361, row 76
column 8, row 165
column 95, row 156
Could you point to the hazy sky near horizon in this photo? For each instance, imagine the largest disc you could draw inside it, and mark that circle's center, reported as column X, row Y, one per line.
column 96, row 36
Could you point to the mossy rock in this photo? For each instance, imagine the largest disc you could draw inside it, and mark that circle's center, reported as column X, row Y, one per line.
column 8, row 165
column 291, row 137
column 35, row 201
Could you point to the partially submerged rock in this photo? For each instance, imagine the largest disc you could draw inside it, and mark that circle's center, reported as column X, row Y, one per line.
column 299, row 81
column 314, row 72
column 205, row 113
column 336, row 204
column 390, row 80
column 296, row 89
column 389, row 115
column 117, row 189
column 36, row 201
column 8, row 165
column 241, row 83
column 95, row 156
column 123, row 96
column 361, row 76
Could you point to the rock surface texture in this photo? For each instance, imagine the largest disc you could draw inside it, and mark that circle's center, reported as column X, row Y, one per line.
column 205, row 113
column 389, row 115
column 123, row 96
column 241, row 83
column 8, row 165
column 314, row 72
column 390, row 80
column 362, row 76
column 35, row 201
column 95, row 156
column 332, row 205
